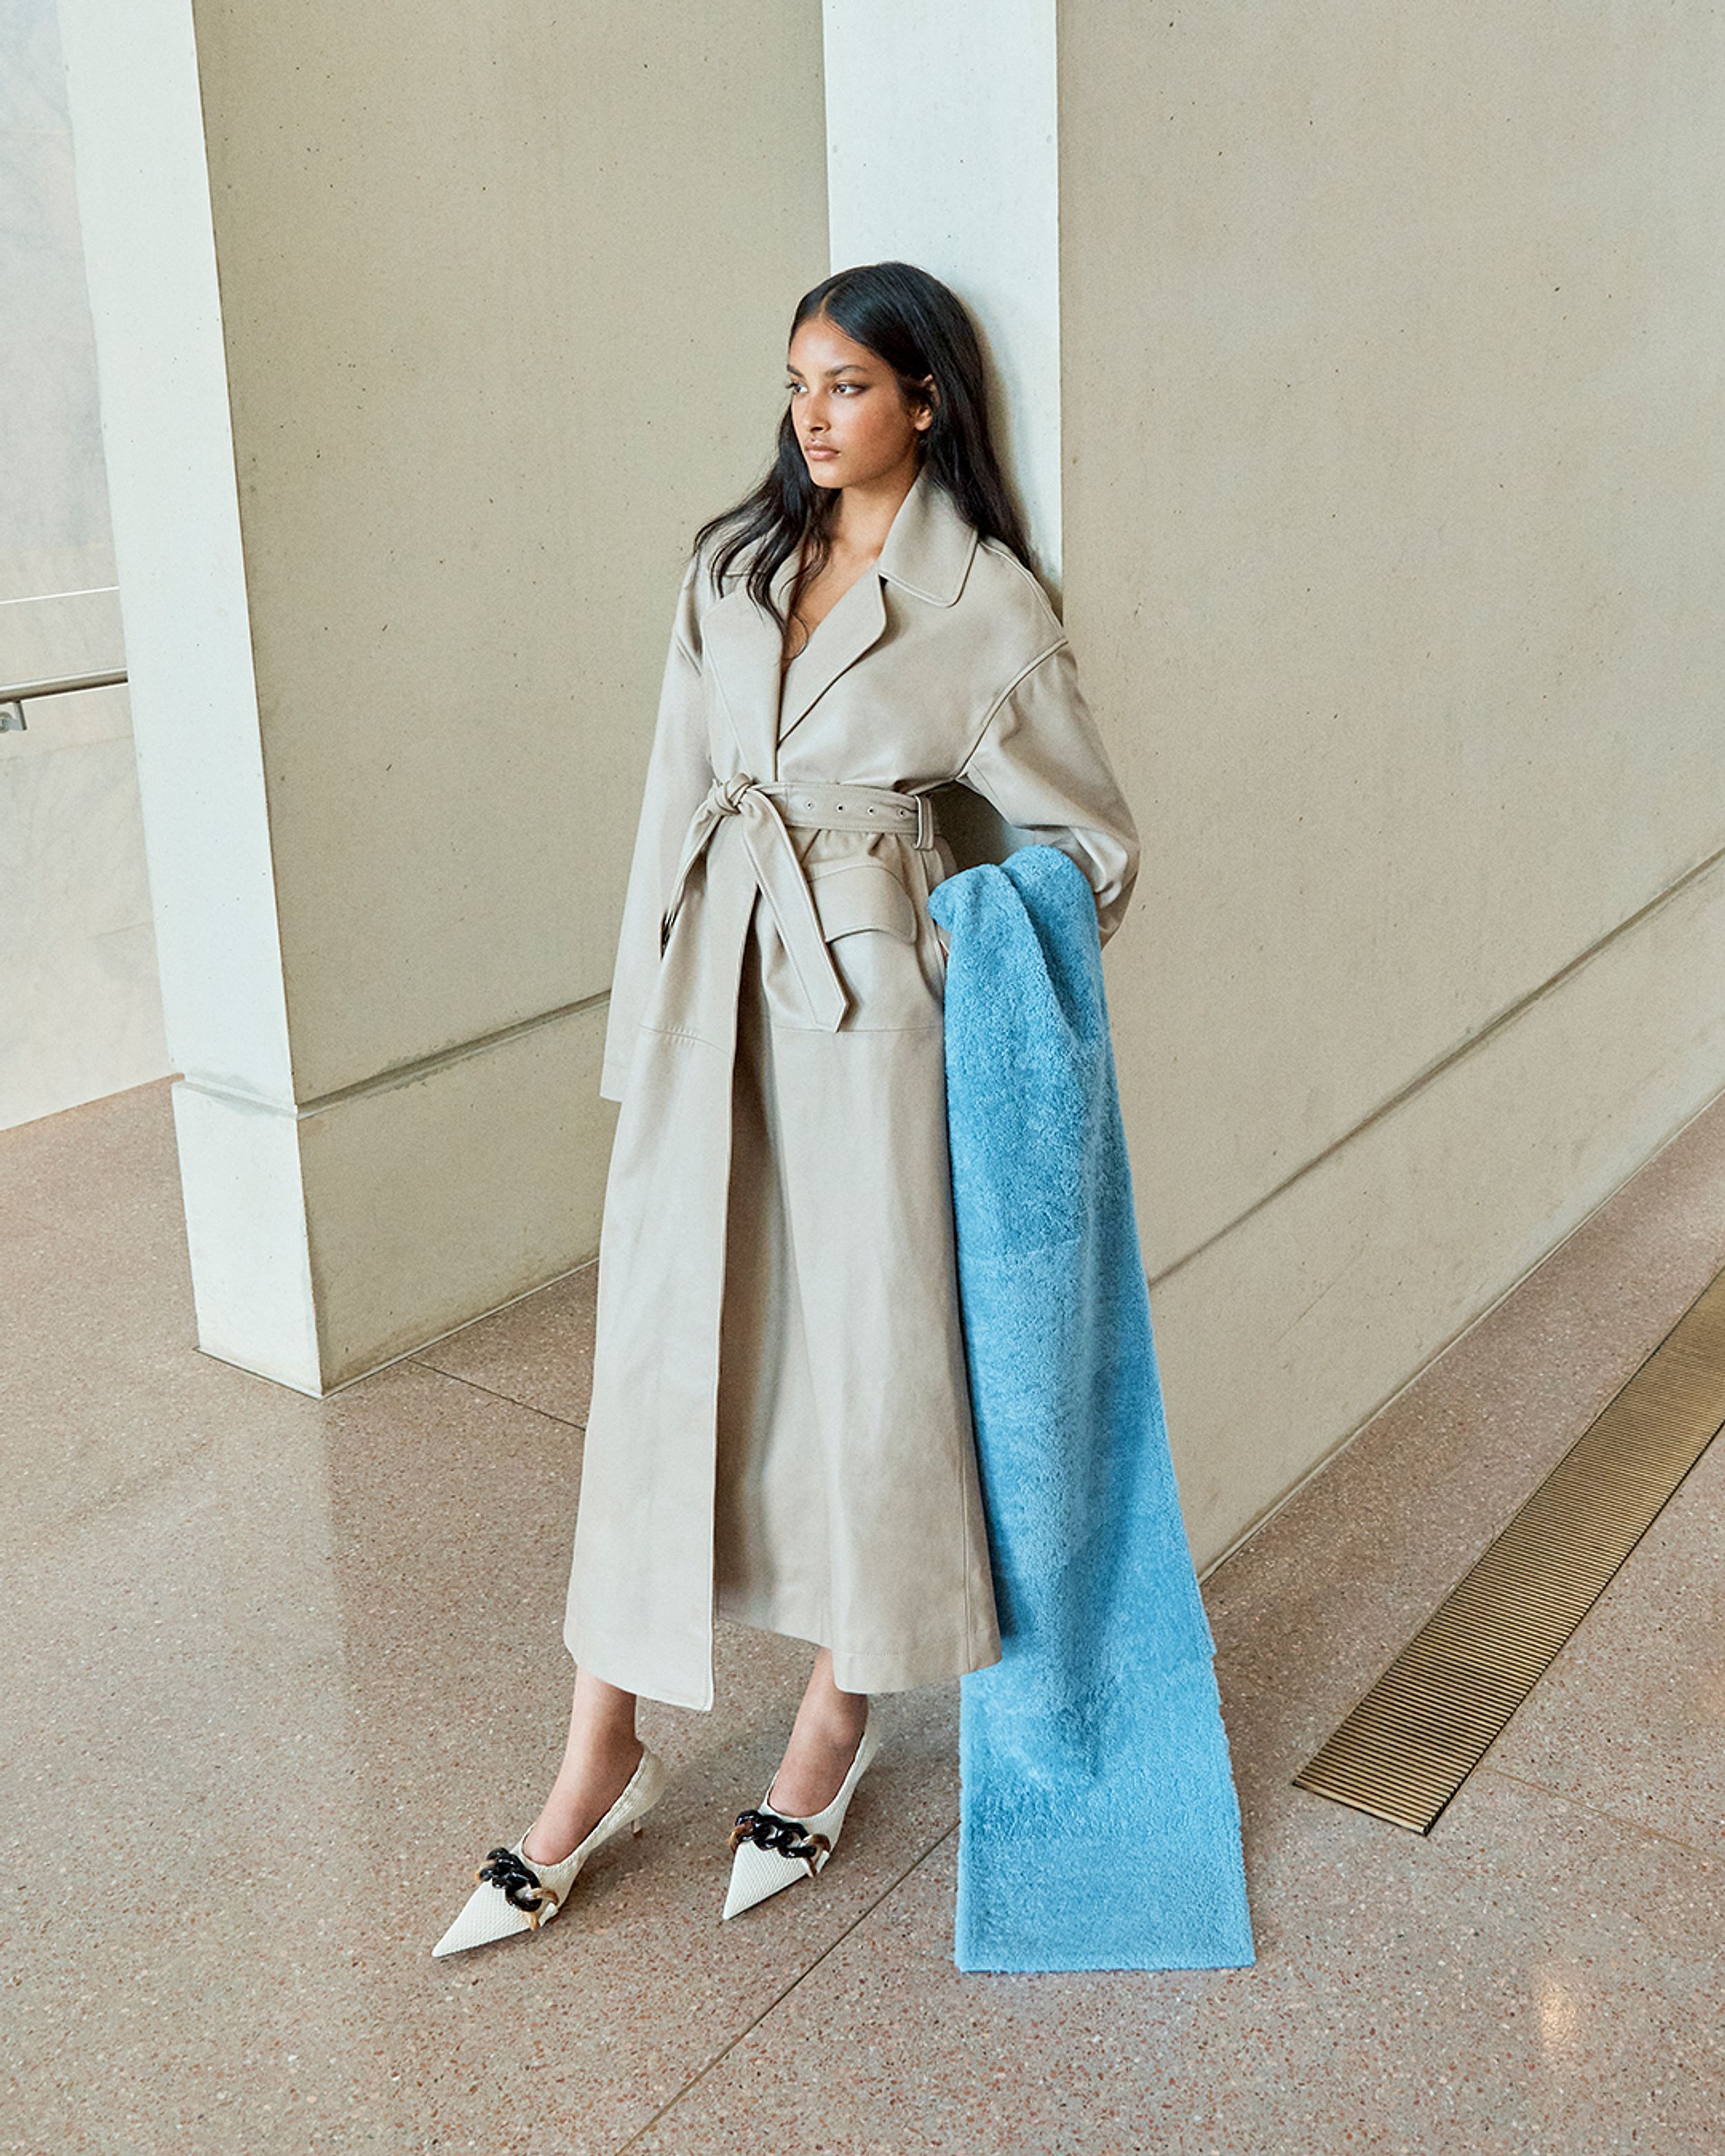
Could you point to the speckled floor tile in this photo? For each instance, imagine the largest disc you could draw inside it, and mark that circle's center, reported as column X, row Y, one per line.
column 282, row 1669
column 101, row 1386
column 1530, row 1979
column 275, row 1718
column 1630, row 1718
column 1307, row 1613
column 538, row 1351
column 285, row 1670
column 108, row 1170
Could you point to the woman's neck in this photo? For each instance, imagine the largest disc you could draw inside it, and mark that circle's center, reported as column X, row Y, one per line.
column 866, row 512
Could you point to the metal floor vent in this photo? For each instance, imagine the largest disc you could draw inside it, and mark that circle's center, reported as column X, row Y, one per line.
column 1425, row 1724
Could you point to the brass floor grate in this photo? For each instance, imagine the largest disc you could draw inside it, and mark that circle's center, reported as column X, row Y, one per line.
column 1424, row 1727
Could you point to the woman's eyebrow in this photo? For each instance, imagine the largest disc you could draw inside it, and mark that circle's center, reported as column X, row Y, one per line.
column 850, row 367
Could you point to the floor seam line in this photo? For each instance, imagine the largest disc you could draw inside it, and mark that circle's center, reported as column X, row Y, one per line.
column 491, row 1393
column 1598, row 1811
column 452, row 1332
column 773, row 2004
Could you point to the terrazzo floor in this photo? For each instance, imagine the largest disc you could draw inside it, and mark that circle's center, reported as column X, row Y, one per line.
column 280, row 1670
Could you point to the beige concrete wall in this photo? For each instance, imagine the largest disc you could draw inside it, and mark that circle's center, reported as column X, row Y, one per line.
column 502, row 303
column 502, row 295
column 1394, row 512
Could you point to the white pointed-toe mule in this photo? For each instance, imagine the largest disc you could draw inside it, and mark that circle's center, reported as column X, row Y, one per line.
column 771, row 1851
column 517, row 1894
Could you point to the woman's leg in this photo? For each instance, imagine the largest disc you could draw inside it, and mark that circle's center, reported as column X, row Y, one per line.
column 602, row 1753
column 822, row 1744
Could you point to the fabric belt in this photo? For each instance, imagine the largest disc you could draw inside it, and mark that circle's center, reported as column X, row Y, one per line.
column 766, row 810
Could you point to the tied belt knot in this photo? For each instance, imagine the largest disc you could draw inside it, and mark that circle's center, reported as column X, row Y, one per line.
column 767, row 810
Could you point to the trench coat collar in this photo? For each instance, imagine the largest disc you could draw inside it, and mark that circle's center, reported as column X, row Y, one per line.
column 929, row 543
column 927, row 553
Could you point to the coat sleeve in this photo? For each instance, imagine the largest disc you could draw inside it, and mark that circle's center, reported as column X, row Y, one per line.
column 678, row 774
column 1040, row 761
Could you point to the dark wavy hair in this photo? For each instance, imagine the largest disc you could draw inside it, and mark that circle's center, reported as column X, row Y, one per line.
column 919, row 327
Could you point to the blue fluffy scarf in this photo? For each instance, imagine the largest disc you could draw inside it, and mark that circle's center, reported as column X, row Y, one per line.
column 1098, row 1827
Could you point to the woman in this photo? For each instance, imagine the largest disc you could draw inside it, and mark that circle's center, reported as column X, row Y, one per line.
column 780, row 1431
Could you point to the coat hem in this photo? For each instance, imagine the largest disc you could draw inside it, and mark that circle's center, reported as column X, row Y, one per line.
column 878, row 1668
column 854, row 1672
column 865, row 1671
column 612, row 1662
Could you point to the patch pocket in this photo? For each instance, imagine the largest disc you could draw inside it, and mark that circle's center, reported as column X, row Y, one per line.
column 868, row 919
column 863, row 895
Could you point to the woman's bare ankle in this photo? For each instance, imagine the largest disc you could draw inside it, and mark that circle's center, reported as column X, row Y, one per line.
column 824, row 1741
column 584, row 1791
column 600, row 1761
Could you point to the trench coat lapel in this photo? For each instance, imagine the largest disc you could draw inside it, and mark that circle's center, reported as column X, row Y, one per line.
column 741, row 645
column 848, row 629
column 928, row 551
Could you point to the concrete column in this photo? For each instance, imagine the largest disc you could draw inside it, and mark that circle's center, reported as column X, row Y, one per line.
column 943, row 149
column 400, row 319
column 149, row 246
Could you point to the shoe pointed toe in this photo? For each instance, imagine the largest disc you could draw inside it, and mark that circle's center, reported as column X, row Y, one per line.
column 485, row 1916
column 488, row 1914
column 757, row 1873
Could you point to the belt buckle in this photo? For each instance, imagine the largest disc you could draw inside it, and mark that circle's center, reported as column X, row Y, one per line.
column 925, row 821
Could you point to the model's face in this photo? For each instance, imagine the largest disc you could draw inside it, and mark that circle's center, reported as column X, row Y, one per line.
column 852, row 424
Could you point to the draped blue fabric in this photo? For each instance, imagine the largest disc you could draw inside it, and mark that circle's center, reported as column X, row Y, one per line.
column 1098, row 1827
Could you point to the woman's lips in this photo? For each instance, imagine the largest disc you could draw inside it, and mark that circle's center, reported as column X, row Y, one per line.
column 814, row 450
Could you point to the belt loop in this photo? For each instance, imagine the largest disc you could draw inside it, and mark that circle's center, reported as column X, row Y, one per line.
column 925, row 821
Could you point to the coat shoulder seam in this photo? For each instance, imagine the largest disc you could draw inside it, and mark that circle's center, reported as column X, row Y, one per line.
column 1028, row 576
column 995, row 708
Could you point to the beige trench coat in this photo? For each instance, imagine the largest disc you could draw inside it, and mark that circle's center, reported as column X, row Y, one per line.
column 780, row 1427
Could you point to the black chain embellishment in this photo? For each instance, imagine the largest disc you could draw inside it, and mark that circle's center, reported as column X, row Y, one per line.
column 787, row 1837
column 503, row 1868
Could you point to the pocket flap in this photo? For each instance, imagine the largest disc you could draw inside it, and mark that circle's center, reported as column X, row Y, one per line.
column 863, row 895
